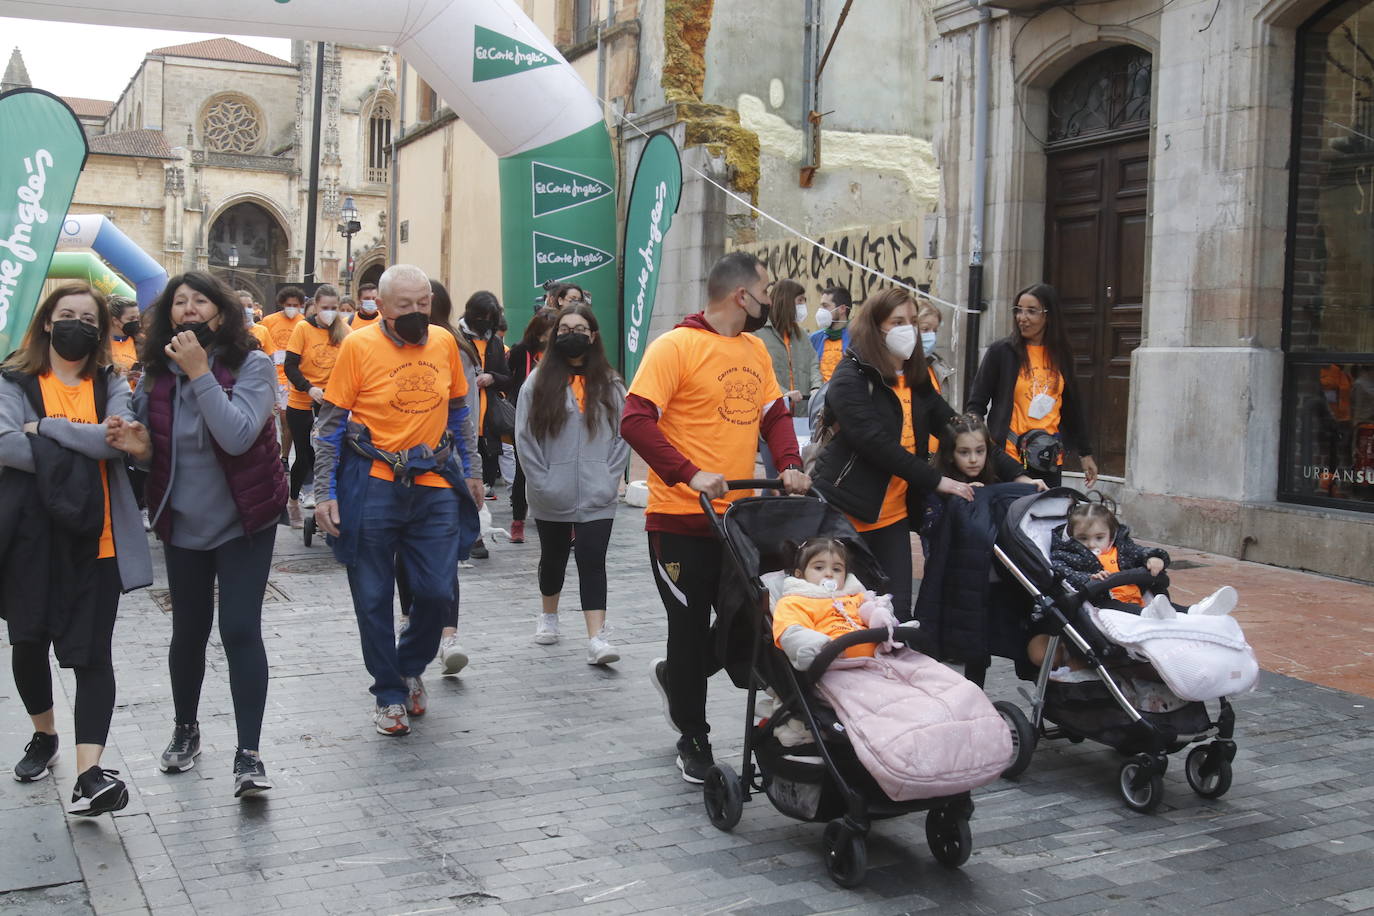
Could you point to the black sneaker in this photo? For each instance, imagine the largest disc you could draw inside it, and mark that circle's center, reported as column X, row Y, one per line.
column 658, row 674
column 479, row 550
column 182, row 750
column 98, row 792
column 250, row 776
column 39, row 754
column 694, row 758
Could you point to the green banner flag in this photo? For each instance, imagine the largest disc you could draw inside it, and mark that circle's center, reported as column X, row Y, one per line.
column 42, row 152
column 653, row 201
column 495, row 55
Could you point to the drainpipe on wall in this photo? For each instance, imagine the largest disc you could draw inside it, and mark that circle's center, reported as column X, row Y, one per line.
column 811, row 96
column 392, row 221
column 982, row 75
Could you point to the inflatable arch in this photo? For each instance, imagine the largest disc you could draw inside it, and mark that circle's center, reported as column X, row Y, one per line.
column 104, row 238
column 82, row 265
column 500, row 74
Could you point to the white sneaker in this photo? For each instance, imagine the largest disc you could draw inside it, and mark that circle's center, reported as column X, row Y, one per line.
column 1218, row 604
column 452, row 658
column 546, row 634
column 147, row 522
column 600, row 651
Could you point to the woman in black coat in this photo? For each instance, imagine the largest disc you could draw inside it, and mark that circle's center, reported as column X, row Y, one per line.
column 876, row 468
column 1028, row 377
column 522, row 359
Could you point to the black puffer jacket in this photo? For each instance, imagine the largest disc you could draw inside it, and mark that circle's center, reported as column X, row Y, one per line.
column 995, row 384
column 854, row 469
column 1076, row 564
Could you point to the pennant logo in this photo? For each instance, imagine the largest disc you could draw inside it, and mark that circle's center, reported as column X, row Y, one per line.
column 495, row 55
column 562, row 259
column 556, row 189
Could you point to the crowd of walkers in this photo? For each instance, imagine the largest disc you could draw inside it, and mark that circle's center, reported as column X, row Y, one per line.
column 391, row 420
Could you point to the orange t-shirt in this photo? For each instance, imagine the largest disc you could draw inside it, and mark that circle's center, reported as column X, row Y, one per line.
column 711, row 392
column 123, row 353
column 1041, row 379
column 481, row 345
column 77, row 404
column 832, row 351
column 317, row 355
column 894, row 502
column 262, row 337
column 361, row 321
column 819, row 614
column 400, row 394
column 1129, row 594
column 279, row 328
column 578, row 383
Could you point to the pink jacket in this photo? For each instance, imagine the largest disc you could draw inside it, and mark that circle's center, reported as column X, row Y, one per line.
column 920, row 729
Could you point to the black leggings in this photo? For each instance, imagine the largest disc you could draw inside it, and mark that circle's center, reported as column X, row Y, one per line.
column 556, row 540
column 489, row 448
column 892, row 548
column 241, row 567
column 299, row 422
column 519, row 506
column 95, row 681
column 687, row 571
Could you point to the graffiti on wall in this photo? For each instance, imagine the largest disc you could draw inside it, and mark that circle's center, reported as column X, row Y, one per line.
column 893, row 249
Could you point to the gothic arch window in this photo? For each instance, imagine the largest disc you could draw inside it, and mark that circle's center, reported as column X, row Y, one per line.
column 1108, row 93
column 232, row 124
column 379, row 142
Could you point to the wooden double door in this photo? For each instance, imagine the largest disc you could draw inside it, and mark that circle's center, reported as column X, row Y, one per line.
column 1095, row 257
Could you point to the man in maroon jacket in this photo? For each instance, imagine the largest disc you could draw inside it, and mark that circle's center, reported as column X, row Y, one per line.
column 700, row 400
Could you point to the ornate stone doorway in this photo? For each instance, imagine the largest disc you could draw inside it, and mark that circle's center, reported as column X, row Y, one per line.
column 261, row 245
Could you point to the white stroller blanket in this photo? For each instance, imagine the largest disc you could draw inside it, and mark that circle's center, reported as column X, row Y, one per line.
column 1200, row 657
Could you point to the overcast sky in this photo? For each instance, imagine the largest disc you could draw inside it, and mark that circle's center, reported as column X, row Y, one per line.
column 96, row 61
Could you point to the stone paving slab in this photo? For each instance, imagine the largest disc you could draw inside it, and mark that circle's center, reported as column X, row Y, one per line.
column 538, row 784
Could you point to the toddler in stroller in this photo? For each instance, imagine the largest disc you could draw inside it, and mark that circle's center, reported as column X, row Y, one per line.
column 1136, row 679
column 811, row 758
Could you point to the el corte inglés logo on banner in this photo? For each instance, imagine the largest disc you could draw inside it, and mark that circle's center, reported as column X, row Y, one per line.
column 556, row 189
column 495, row 55
column 562, row 259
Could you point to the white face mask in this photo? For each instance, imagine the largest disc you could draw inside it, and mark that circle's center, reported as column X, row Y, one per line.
column 901, row 340
column 248, row 317
column 823, row 318
column 290, row 312
column 367, row 306
column 927, row 342
column 327, row 316
column 801, row 312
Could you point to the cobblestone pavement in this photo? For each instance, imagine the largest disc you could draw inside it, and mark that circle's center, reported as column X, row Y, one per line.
column 537, row 783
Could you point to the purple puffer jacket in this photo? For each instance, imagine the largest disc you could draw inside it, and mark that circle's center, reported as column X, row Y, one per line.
column 256, row 478
column 920, row 729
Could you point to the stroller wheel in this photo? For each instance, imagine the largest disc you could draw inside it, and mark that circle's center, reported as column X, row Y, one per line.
column 846, row 854
column 949, row 836
column 723, row 797
column 1022, row 738
column 1141, row 784
column 1208, row 771
column 308, row 530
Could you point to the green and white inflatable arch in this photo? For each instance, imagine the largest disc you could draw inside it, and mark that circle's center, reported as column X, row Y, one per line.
column 500, row 74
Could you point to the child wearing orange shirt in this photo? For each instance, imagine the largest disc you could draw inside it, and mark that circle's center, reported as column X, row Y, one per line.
column 822, row 601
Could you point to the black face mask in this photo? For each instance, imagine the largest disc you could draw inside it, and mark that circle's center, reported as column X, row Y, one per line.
column 751, row 323
column 204, row 333
column 411, row 327
column 572, row 345
column 479, row 327
column 74, row 340
column 131, row 328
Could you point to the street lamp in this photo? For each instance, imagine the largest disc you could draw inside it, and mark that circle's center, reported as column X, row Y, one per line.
column 233, row 262
column 349, row 227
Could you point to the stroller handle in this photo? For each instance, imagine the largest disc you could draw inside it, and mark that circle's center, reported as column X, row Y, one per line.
column 907, row 635
column 773, row 484
column 1141, row 578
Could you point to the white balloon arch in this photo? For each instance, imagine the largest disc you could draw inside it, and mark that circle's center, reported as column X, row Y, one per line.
column 500, row 74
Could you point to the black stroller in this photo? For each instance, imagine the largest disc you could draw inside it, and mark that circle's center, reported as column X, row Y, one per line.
column 818, row 781
column 1099, row 709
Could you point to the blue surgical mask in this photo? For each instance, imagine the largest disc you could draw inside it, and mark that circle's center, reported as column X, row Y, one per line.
column 927, row 341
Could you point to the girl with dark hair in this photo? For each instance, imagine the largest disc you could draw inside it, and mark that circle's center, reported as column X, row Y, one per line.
column 522, row 359
column 216, row 489
column 1026, row 381
column 481, row 315
column 310, row 356
column 794, row 359
column 875, row 468
column 567, row 429
column 60, row 583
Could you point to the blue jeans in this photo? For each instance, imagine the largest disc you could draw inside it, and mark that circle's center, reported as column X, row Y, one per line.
column 421, row 525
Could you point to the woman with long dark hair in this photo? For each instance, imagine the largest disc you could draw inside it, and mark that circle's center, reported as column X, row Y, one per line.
column 567, row 430
column 1026, row 382
column 522, row 359
column 216, row 489
column 60, row 583
column 794, row 359
column 876, row 468
column 481, row 315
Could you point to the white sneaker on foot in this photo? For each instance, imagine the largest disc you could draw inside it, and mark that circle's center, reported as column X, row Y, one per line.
column 600, row 651
column 546, row 633
column 452, row 658
column 1218, row 604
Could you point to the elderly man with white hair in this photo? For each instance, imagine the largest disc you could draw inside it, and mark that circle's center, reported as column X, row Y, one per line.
column 394, row 477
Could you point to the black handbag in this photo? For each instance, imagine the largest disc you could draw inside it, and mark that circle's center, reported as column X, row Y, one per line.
column 500, row 417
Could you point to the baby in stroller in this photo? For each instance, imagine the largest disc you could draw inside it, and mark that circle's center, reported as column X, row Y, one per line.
column 920, row 729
